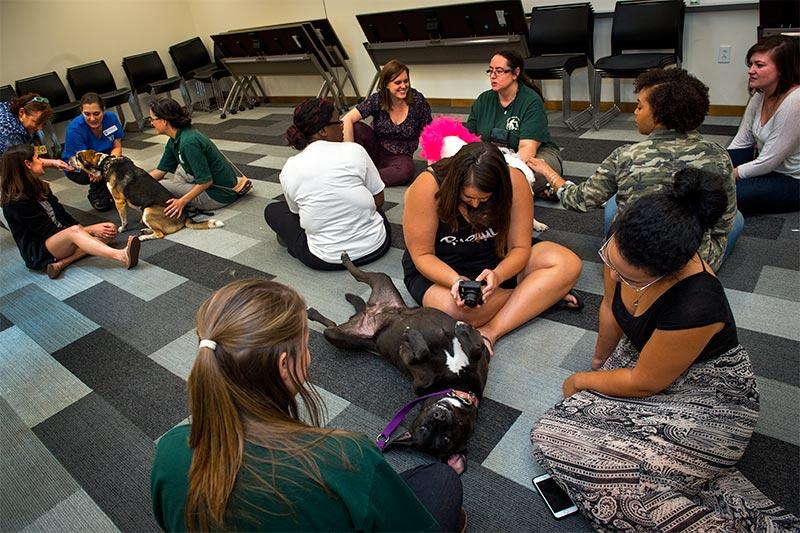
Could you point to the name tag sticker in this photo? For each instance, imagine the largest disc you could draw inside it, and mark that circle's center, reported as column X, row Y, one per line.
column 108, row 131
column 40, row 149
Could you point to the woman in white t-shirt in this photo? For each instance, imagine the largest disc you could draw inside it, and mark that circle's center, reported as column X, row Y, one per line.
column 333, row 194
column 766, row 149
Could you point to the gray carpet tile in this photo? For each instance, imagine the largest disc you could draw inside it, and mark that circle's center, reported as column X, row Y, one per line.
column 135, row 144
column 203, row 268
column 108, row 455
column 763, row 226
column 34, row 384
column 33, row 481
column 772, row 357
column 144, row 392
column 78, row 512
column 587, row 150
column 49, row 322
column 145, row 325
column 139, row 358
column 774, row 467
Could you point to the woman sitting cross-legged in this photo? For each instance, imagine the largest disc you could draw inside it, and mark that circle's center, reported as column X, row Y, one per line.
column 399, row 113
column 649, row 441
column 248, row 462
column 47, row 236
column 469, row 217
column 333, row 194
column 766, row 149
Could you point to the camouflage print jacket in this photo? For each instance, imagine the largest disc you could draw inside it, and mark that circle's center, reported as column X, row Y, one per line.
column 644, row 167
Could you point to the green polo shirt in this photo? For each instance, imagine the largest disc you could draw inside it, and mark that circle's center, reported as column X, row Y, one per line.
column 364, row 495
column 525, row 118
column 203, row 161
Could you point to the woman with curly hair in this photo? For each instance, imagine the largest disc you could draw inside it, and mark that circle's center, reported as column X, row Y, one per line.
column 254, row 458
column 649, row 439
column 766, row 149
column 671, row 105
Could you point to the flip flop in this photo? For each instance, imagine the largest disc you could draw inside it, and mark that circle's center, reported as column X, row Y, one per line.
column 245, row 188
column 564, row 304
column 132, row 252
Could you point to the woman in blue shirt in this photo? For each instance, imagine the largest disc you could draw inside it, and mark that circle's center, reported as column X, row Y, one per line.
column 94, row 129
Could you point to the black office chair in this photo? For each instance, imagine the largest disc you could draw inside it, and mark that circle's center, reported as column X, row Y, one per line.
column 146, row 74
column 561, row 39
column 51, row 87
column 7, row 93
column 655, row 25
column 96, row 78
column 195, row 66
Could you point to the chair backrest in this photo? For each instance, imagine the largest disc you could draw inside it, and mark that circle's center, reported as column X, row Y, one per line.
column 143, row 69
column 567, row 29
column 48, row 85
column 189, row 55
column 7, row 93
column 648, row 25
column 90, row 78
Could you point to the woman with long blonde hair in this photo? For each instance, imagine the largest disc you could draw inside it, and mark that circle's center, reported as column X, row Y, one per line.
column 248, row 462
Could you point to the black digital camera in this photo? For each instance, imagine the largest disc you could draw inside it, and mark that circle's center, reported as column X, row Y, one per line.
column 470, row 292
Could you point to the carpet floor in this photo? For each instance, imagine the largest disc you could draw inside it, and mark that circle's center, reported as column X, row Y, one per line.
column 93, row 365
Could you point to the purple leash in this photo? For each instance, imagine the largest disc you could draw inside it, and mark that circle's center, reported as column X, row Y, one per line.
column 399, row 416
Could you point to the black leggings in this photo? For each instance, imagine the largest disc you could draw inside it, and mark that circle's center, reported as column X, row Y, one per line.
column 439, row 489
column 287, row 225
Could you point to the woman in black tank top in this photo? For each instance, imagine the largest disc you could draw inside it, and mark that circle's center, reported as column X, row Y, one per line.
column 467, row 217
column 649, row 441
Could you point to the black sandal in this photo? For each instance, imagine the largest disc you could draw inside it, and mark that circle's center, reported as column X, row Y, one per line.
column 564, row 304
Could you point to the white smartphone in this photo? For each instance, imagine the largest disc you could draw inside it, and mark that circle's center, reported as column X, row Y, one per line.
column 554, row 496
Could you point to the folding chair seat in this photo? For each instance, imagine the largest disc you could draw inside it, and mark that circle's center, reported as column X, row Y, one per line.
column 64, row 108
column 654, row 29
column 96, row 78
column 147, row 75
column 561, row 39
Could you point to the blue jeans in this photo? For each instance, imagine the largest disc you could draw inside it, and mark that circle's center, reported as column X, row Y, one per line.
column 738, row 224
column 768, row 193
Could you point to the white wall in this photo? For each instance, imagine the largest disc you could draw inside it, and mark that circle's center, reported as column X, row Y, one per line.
column 37, row 36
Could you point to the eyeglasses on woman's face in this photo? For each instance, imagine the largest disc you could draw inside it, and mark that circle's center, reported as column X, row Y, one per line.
column 497, row 71
column 638, row 286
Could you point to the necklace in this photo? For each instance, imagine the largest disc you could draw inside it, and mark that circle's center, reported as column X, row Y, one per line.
column 639, row 294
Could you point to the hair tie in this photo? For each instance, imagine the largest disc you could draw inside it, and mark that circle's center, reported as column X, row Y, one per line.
column 205, row 343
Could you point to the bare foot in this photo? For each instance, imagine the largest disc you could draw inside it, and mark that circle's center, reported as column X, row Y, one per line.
column 54, row 269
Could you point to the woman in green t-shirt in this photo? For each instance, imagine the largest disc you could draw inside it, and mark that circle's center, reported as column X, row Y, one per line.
column 248, row 462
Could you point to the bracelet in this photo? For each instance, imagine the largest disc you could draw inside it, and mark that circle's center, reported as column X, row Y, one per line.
column 560, row 190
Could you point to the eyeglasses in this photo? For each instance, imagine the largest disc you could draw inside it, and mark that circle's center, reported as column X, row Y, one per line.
column 635, row 285
column 334, row 123
column 40, row 99
column 155, row 118
column 497, row 71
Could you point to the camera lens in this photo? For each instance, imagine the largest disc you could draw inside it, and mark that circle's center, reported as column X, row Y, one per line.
column 471, row 299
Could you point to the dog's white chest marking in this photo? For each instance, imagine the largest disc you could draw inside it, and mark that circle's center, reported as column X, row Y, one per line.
column 456, row 358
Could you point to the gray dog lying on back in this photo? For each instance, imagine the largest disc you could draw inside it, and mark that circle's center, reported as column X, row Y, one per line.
column 437, row 352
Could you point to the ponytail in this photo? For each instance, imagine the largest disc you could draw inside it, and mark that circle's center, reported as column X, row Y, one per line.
column 217, row 441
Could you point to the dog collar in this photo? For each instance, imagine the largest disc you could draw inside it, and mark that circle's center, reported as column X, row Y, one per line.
column 383, row 439
column 466, row 397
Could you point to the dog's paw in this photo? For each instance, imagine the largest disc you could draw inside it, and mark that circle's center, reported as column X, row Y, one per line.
column 121, row 229
column 540, row 226
column 214, row 223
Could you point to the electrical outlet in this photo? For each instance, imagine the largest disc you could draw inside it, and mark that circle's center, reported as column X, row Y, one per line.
column 724, row 55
